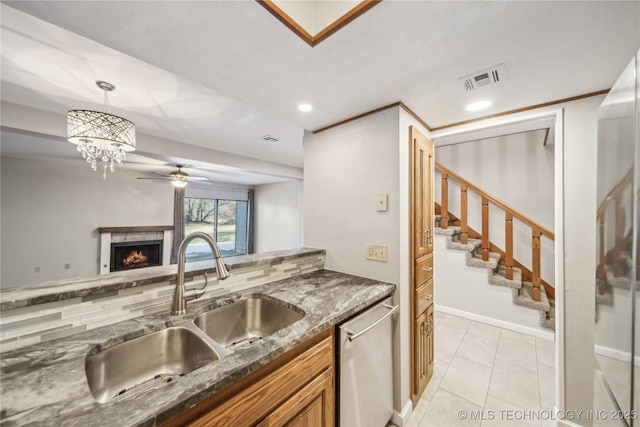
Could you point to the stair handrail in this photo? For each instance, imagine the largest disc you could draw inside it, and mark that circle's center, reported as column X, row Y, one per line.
column 614, row 195
column 537, row 230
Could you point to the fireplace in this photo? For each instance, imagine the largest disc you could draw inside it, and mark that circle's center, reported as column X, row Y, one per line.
column 130, row 255
column 141, row 246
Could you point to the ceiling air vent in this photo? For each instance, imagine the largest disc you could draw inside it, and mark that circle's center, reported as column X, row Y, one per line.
column 269, row 139
column 490, row 76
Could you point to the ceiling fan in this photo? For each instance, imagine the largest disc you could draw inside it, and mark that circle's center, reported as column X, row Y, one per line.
column 180, row 179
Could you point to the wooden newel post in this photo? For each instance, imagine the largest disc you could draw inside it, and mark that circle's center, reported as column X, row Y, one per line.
column 535, row 264
column 508, row 242
column 485, row 229
column 463, row 214
column 444, row 206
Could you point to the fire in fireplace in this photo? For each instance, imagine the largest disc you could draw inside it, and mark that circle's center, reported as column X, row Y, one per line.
column 130, row 255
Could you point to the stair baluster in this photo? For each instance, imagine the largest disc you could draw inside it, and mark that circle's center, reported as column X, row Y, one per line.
column 508, row 243
column 535, row 264
column 444, row 222
column 464, row 228
column 485, row 229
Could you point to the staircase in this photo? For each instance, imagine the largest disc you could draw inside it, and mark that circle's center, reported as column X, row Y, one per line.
column 520, row 290
column 527, row 287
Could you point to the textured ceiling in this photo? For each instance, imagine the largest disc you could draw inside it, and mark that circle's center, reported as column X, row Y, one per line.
column 220, row 74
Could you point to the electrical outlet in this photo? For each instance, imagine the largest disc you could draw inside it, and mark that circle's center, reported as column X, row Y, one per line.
column 377, row 252
column 67, row 266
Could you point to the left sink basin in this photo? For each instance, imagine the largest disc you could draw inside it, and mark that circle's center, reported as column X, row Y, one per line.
column 147, row 363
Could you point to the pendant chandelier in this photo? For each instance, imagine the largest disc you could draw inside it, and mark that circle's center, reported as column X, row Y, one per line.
column 100, row 135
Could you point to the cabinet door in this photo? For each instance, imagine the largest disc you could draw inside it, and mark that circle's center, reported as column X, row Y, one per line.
column 311, row 406
column 430, row 353
column 423, row 351
column 422, row 189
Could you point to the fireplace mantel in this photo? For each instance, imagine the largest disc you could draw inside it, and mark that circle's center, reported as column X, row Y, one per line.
column 109, row 235
column 134, row 229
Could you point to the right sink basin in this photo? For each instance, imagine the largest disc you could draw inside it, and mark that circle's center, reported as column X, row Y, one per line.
column 246, row 321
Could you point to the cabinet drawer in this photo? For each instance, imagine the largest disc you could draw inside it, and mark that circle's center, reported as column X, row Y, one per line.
column 424, row 269
column 423, row 297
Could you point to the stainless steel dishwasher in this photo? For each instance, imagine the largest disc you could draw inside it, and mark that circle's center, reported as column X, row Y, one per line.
column 365, row 353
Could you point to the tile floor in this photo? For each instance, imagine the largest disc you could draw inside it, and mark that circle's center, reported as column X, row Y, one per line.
column 493, row 376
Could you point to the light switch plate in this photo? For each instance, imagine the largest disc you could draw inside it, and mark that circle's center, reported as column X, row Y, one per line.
column 377, row 252
column 382, row 202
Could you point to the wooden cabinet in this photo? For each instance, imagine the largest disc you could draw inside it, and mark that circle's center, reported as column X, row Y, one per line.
column 311, row 406
column 424, row 269
column 422, row 294
column 422, row 193
column 296, row 389
column 423, row 352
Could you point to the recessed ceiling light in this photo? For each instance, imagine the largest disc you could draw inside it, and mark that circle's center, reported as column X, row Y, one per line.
column 305, row 107
column 479, row 105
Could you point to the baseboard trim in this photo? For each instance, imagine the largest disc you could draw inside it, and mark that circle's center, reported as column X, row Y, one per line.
column 495, row 322
column 402, row 418
column 616, row 354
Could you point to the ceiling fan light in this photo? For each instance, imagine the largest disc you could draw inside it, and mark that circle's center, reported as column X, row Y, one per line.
column 177, row 183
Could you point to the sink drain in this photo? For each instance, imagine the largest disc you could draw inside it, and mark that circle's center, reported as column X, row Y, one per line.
column 152, row 384
column 243, row 342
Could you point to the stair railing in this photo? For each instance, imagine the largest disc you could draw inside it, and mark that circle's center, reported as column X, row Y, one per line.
column 537, row 231
column 621, row 242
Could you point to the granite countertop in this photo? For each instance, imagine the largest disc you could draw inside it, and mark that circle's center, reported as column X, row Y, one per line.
column 45, row 384
column 58, row 290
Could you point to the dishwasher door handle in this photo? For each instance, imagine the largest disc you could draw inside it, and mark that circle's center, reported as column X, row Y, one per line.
column 354, row 335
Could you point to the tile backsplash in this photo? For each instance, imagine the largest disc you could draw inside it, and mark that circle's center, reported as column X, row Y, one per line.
column 21, row 327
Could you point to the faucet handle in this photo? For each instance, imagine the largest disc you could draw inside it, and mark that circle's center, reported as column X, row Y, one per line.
column 196, row 293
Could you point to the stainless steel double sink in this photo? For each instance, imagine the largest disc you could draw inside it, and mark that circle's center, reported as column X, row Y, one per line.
column 149, row 362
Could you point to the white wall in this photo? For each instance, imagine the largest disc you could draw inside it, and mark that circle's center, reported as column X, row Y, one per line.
column 580, row 148
column 345, row 168
column 277, row 216
column 50, row 212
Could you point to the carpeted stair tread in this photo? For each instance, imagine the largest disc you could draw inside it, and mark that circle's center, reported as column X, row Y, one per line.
column 499, row 278
column 548, row 318
column 475, row 260
column 523, row 297
column 449, row 231
column 521, row 291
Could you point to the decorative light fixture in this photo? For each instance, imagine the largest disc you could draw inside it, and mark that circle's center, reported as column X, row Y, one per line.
column 179, row 179
column 100, row 135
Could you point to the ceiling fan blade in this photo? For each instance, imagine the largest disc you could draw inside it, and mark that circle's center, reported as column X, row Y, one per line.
column 151, row 177
column 166, row 175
